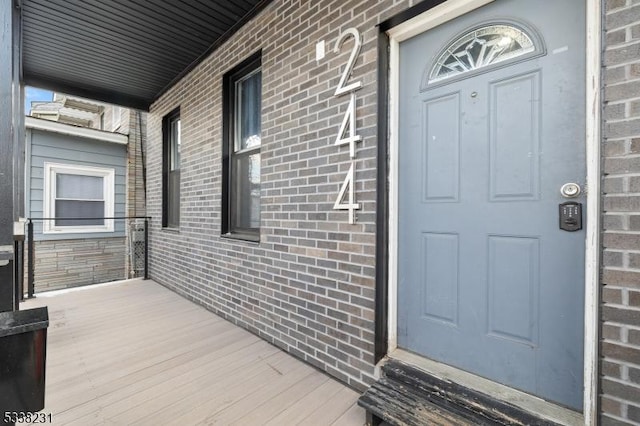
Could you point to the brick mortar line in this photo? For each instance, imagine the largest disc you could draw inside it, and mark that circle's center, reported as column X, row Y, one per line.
column 621, row 307
column 622, row 326
column 605, row 141
column 624, row 401
column 622, row 231
column 622, row 120
column 607, row 66
column 623, row 44
column 620, row 9
column 622, row 419
column 621, row 381
column 620, row 83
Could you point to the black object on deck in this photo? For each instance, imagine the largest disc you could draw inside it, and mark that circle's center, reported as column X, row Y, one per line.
column 23, row 350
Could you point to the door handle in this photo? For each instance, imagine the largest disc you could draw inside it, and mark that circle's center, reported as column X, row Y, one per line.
column 570, row 190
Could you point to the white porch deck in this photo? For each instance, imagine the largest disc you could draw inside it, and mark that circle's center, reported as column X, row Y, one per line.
column 136, row 353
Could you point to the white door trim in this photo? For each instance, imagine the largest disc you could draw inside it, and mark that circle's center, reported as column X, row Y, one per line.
column 436, row 16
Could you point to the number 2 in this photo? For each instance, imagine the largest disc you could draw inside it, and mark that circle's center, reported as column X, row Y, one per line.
column 342, row 89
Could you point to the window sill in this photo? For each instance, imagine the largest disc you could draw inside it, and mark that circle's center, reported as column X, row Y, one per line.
column 171, row 229
column 251, row 238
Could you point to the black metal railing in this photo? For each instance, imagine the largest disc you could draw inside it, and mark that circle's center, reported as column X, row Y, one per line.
column 130, row 234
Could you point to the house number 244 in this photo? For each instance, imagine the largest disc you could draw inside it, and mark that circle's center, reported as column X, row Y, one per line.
column 348, row 134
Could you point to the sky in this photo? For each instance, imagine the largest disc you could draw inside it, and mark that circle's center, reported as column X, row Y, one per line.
column 33, row 94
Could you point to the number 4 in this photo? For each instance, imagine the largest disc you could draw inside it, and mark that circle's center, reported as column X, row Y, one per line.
column 351, row 205
column 349, row 121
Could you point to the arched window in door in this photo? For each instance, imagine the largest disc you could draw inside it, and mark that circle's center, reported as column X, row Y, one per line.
column 483, row 48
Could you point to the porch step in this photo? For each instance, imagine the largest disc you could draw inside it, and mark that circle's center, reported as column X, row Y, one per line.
column 409, row 396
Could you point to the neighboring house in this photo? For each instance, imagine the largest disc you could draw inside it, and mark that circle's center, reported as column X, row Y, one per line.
column 85, row 113
column 75, row 170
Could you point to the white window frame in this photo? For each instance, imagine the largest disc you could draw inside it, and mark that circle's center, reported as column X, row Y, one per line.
column 50, row 172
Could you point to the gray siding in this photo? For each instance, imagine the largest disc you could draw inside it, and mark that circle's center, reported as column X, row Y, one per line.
column 63, row 149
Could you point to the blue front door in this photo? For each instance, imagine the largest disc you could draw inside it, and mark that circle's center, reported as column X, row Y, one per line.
column 491, row 127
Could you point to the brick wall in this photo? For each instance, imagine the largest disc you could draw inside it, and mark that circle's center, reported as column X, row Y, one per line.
column 73, row 263
column 308, row 286
column 620, row 334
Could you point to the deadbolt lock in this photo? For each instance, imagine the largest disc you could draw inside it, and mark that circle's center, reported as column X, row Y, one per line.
column 570, row 190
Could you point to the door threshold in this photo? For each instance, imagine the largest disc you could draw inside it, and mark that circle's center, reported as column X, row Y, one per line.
column 525, row 401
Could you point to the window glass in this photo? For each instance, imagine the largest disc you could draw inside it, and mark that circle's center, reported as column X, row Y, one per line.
column 246, row 178
column 75, row 195
column 79, row 209
column 481, row 48
column 175, row 143
column 248, row 102
column 79, row 187
column 116, row 119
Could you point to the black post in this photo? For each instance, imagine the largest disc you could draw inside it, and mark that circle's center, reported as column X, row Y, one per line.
column 21, row 271
column 146, row 249
column 16, row 275
column 30, row 264
column 9, row 45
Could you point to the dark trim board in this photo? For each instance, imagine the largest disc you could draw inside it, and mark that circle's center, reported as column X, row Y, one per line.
column 382, row 203
column 412, row 12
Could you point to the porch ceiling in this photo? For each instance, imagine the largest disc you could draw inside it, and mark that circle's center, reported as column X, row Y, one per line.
column 126, row 52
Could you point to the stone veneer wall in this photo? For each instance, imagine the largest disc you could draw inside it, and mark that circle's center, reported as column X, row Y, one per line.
column 72, row 263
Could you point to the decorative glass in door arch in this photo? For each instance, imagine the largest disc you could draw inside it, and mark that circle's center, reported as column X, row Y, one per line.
column 483, row 47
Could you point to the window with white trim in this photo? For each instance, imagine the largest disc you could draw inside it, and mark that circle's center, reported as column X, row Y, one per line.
column 78, row 199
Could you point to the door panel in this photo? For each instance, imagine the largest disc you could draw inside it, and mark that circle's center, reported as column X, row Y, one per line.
column 513, row 269
column 440, row 277
column 514, row 134
column 487, row 282
column 441, row 156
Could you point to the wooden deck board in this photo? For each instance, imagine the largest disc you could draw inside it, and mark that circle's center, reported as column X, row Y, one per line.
column 136, row 353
